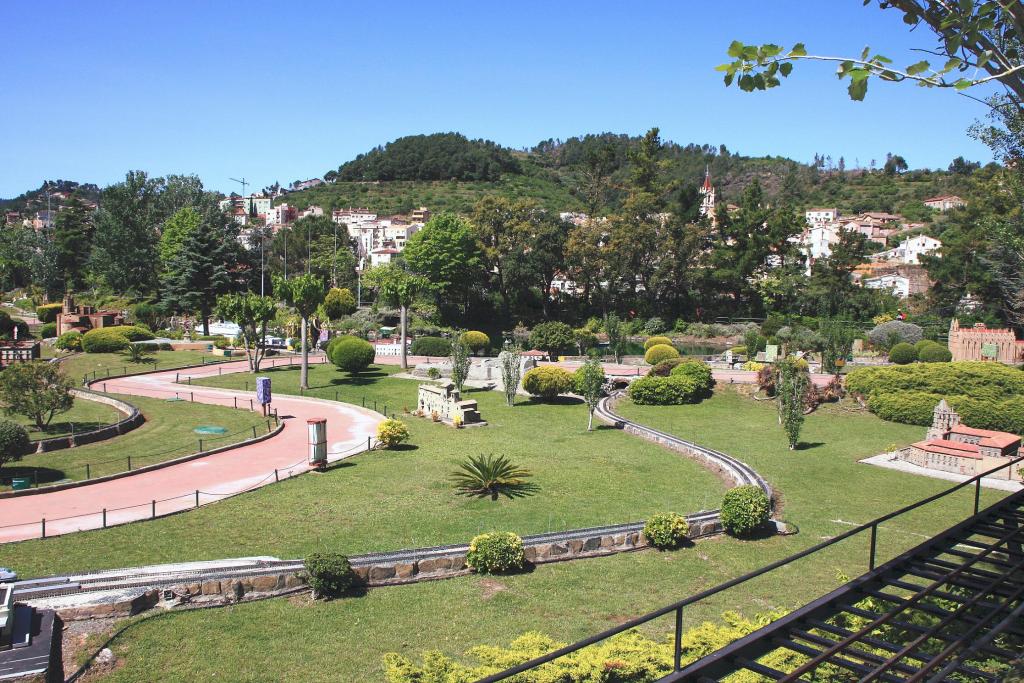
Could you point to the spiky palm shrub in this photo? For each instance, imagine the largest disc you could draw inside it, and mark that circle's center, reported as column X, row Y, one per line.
column 138, row 353
column 487, row 475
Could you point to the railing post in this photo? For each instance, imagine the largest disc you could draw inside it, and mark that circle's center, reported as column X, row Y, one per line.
column 154, row 509
column 276, row 478
column 197, row 497
column 44, row 527
column 200, row 446
column 192, row 395
column 268, row 427
column 977, row 495
column 677, row 657
column 874, row 540
column 87, row 476
column 367, row 443
column 250, row 404
column 104, row 518
column 236, row 402
column 129, row 463
column 254, row 431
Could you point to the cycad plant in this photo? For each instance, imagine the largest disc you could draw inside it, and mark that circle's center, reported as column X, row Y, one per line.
column 489, row 475
column 138, row 353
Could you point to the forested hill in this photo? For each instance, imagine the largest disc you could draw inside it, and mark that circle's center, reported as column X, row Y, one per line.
column 35, row 200
column 447, row 171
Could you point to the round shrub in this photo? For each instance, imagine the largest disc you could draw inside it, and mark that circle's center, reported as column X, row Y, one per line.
column 934, row 353
column 47, row 313
column 548, row 382
column 338, row 303
column 908, row 407
column 431, row 346
column 69, row 341
column 664, row 368
column 653, row 341
column 48, row 331
column 104, row 340
column 655, row 325
column 666, row 530
column 923, row 344
column 745, row 509
column 477, row 342
column 329, row 574
column 660, row 352
column 893, row 332
column 902, row 354
column 499, row 551
column 351, row 354
column 392, row 432
column 653, row 390
column 698, row 371
column 14, row 441
column 740, row 350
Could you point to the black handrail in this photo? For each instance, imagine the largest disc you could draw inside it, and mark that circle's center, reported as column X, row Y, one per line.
column 678, row 606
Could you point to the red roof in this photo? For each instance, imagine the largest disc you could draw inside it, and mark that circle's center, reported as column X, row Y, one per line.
column 961, row 450
column 988, row 436
column 533, row 352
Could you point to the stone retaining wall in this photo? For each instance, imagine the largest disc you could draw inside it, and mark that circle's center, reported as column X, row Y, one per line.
column 133, row 420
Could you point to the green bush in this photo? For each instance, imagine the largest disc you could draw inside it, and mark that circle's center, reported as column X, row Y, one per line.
column 908, row 407
column 548, row 382
column 500, row 551
column 698, row 371
column 976, row 379
column 655, row 325
column 104, row 340
column 351, row 354
column 887, row 334
column 14, row 441
column 923, row 344
column 329, row 574
column 69, row 341
column 934, row 353
column 666, row 530
column 437, row 347
column 478, row 342
column 745, row 510
column 653, row 390
column 8, row 325
column 47, row 313
column 392, row 432
column 48, row 331
column 902, row 354
column 133, row 333
column 739, row 350
column 660, row 352
column 664, row 368
column 653, row 341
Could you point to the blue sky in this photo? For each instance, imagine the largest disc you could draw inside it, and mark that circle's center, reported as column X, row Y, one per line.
column 287, row 90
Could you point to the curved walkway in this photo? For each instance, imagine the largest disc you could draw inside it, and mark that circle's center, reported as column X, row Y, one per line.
column 214, row 477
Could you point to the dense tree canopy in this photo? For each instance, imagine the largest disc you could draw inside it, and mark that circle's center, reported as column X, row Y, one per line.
column 440, row 156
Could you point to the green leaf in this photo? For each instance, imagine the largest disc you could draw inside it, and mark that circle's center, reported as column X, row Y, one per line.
column 857, row 89
column 864, row 54
column 730, row 67
column 917, row 68
column 963, row 84
column 735, row 49
column 728, row 79
column 746, row 83
column 785, row 68
column 952, row 64
column 769, row 50
column 799, row 50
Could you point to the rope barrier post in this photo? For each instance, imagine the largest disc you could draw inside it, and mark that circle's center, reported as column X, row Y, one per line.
column 87, row 476
column 200, row 445
column 364, row 401
column 177, row 377
column 367, row 443
column 197, row 497
column 129, row 463
column 247, row 385
column 236, row 402
column 254, row 431
column 250, row 405
column 192, row 395
column 374, row 405
column 268, row 427
column 104, row 518
column 276, row 478
column 154, row 510
column 44, row 527
column 335, row 395
column 104, row 387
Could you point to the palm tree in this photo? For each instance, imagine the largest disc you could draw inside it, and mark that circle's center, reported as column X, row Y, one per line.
column 138, row 353
column 487, row 475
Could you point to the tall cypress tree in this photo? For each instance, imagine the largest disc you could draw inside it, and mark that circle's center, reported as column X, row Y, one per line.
column 72, row 237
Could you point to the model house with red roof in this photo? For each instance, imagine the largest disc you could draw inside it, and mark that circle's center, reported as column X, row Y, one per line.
column 954, row 447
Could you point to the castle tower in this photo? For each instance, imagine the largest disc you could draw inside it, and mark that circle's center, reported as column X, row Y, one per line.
column 707, row 200
column 944, row 418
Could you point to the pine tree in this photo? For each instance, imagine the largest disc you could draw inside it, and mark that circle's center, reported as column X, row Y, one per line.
column 72, row 238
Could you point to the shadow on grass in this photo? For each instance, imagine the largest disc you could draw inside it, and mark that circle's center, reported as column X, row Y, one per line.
column 557, row 401
column 403, row 447
column 359, row 380
column 43, row 475
column 56, row 429
column 767, row 531
column 806, row 446
column 510, row 491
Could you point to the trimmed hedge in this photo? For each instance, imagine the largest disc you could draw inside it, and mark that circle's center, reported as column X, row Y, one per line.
column 392, row 432
column 908, row 407
column 698, row 371
column 47, row 313
column 745, row 509
column 431, row 346
column 48, row 331
column 654, row 390
column 548, row 381
column 666, row 530
column 69, row 341
column 934, row 353
column 476, row 341
column 659, row 353
column 351, row 354
column 654, row 341
column 902, row 354
column 329, row 574
column 104, row 340
column 500, row 551
column 976, row 379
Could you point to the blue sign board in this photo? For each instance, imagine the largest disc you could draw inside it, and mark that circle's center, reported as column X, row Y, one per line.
column 263, row 390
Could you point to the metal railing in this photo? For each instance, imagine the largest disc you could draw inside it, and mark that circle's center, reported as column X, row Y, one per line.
column 677, row 607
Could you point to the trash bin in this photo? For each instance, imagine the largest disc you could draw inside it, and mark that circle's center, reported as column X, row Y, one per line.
column 21, row 483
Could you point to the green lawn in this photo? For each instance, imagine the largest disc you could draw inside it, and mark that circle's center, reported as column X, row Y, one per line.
column 102, row 364
column 166, row 434
column 823, row 488
column 83, row 416
column 396, row 499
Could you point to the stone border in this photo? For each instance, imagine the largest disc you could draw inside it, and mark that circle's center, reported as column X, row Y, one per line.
column 133, row 420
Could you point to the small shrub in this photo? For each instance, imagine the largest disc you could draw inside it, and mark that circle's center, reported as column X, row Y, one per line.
column 698, row 371
column 392, row 432
column 664, row 368
column 739, row 350
column 478, row 342
column 653, row 390
column 431, row 346
column 653, row 341
column 934, row 353
column 47, row 313
column 893, row 332
column 70, row 341
column 167, row 346
column 666, row 530
column 660, row 352
column 48, row 331
column 902, row 354
column 14, row 441
column 434, row 373
column 351, row 354
column 655, row 325
column 548, row 382
column 104, row 340
column 496, row 552
column 745, row 509
column 923, row 344
column 329, row 574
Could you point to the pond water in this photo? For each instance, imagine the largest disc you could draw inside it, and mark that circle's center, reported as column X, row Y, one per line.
column 686, row 349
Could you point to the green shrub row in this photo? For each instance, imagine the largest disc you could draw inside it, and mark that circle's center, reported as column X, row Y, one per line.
column 112, row 339
column 916, row 408
column 676, row 389
column 496, row 552
column 548, row 381
column 47, row 313
column 436, row 347
column 993, row 381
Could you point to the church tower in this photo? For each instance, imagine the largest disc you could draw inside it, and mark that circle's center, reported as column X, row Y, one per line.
column 944, row 418
column 707, row 196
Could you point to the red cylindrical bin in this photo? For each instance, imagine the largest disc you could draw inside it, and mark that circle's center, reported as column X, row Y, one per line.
column 317, row 441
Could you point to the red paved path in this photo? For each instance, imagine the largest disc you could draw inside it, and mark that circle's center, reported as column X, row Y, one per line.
column 215, row 476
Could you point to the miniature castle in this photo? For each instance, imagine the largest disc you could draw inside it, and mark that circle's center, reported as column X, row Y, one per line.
column 84, row 318
column 446, row 401
column 983, row 343
column 954, row 447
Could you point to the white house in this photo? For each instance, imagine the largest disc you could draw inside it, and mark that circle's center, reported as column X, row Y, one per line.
column 381, row 256
column 253, row 204
column 915, row 246
column 944, row 202
column 311, row 210
column 899, row 285
column 821, row 216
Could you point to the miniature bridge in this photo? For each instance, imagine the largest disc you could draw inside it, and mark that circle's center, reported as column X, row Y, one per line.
column 944, row 610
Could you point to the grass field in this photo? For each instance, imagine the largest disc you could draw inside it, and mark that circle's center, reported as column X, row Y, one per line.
column 112, row 364
column 396, row 499
column 166, row 434
column 823, row 488
column 83, row 416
